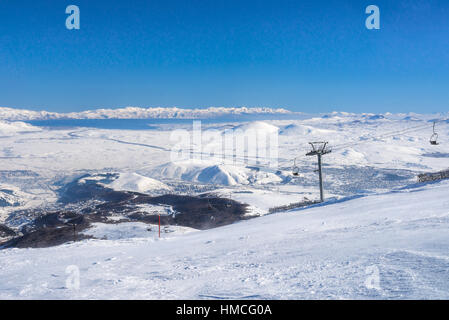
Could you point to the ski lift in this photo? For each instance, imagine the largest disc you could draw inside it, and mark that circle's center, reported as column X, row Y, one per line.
column 434, row 137
column 319, row 148
column 295, row 169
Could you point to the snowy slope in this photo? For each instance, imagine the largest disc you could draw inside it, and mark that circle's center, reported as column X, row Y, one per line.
column 331, row 251
column 131, row 230
column 257, row 126
column 8, row 128
column 11, row 198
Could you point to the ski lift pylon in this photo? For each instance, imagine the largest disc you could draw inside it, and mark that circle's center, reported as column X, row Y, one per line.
column 319, row 148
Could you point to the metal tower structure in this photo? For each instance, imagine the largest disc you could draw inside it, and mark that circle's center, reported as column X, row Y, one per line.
column 319, row 149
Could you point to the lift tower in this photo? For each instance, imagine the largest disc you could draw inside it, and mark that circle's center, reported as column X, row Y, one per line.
column 319, row 149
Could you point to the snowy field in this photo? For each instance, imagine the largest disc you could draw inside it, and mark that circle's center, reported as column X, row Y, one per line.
column 378, row 226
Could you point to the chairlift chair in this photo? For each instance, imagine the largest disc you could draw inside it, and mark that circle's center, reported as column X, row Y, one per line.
column 434, row 137
column 295, row 169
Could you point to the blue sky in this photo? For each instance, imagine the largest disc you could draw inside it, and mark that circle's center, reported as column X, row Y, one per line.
column 311, row 56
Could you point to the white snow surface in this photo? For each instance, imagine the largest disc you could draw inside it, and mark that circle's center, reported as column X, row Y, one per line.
column 130, row 230
column 258, row 126
column 9, row 128
column 376, row 219
column 326, row 252
column 209, row 172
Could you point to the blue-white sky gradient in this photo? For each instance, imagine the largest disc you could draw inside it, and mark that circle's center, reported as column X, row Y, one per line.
column 310, row 56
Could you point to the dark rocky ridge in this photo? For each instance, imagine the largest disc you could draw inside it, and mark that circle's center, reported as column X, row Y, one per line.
column 6, row 232
column 58, row 227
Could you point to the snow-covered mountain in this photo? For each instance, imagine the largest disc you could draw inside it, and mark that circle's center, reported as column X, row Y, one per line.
column 139, row 113
column 218, row 174
column 8, row 128
column 138, row 183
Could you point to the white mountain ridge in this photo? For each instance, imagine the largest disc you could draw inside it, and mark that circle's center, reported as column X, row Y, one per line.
column 137, row 113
